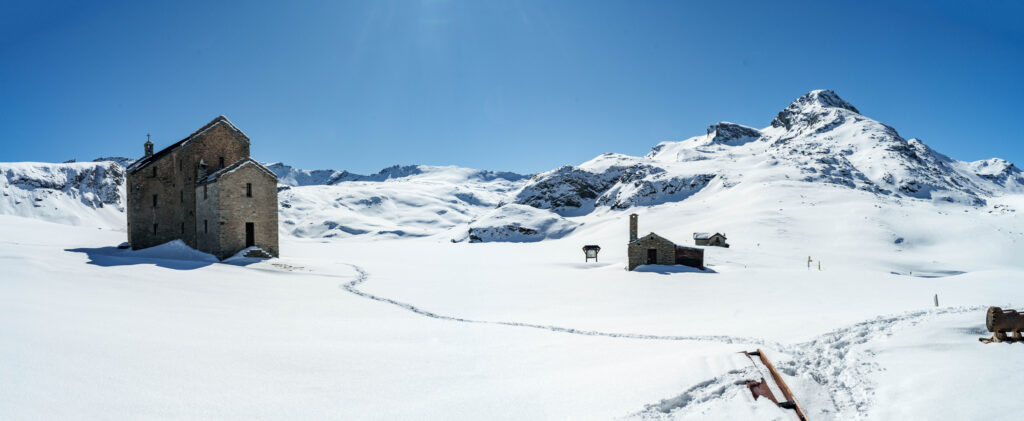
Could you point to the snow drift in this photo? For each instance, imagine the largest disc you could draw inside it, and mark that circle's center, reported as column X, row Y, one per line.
column 518, row 223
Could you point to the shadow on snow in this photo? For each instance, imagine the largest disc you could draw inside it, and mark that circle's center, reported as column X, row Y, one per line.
column 112, row 256
column 171, row 255
column 669, row 269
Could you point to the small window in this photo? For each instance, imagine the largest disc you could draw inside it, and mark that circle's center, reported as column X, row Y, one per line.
column 154, row 228
column 182, row 227
column 206, row 227
column 181, row 164
column 154, row 200
column 204, row 191
column 181, row 196
column 220, row 161
column 248, row 189
column 154, row 170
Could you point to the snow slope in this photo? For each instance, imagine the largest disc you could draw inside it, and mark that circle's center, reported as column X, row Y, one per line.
column 78, row 193
column 410, row 202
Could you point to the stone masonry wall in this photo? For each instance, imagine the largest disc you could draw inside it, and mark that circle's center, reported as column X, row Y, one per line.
column 174, row 186
column 207, row 219
column 637, row 251
column 236, row 209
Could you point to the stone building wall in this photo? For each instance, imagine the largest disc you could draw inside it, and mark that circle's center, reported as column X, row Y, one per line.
column 174, row 184
column 168, row 213
column 690, row 256
column 220, row 140
column 637, row 251
column 715, row 240
column 208, row 217
column 237, row 208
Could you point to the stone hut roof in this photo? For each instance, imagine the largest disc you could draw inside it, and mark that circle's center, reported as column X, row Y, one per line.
column 705, row 235
column 146, row 160
column 232, row 168
column 652, row 235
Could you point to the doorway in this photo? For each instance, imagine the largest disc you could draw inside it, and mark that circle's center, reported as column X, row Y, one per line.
column 652, row 256
column 250, row 234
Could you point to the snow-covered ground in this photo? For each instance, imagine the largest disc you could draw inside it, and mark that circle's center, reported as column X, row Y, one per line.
column 370, row 328
column 451, row 293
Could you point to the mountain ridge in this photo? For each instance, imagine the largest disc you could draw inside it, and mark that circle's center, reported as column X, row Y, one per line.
column 817, row 138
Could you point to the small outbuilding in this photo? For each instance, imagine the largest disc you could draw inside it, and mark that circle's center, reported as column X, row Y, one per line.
column 653, row 249
column 708, row 239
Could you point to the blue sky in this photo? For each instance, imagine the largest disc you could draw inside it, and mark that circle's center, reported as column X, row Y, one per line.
column 507, row 85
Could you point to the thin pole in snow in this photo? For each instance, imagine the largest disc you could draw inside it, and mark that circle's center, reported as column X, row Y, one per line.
column 936, row 300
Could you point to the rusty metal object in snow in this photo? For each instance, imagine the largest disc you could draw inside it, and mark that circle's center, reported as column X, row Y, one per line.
column 760, row 388
column 999, row 322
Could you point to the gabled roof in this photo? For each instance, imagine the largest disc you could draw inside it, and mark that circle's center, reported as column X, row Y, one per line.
column 146, row 160
column 232, row 168
column 651, row 235
column 705, row 235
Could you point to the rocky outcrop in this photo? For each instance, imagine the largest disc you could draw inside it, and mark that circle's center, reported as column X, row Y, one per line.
column 645, row 185
column 568, row 190
column 731, row 133
column 95, row 184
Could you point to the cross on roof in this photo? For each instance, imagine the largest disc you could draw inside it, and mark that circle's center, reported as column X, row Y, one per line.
column 147, row 137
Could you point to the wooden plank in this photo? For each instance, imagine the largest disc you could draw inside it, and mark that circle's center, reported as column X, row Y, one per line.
column 782, row 385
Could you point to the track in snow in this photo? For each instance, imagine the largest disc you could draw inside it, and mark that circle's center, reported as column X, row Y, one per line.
column 362, row 277
column 830, row 362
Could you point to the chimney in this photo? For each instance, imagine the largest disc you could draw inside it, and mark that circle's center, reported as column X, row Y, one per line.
column 148, row 146
column 632, row 227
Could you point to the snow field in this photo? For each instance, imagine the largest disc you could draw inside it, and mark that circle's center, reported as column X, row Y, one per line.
column 340, row 328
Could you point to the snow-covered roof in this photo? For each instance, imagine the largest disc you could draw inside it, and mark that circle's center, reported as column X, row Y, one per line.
column 234, row 167
column 652, row 235
column 146, row 160
column 705, row 235
column 656, row 236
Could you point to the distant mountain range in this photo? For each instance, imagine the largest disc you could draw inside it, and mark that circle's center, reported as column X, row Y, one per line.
column 818, row 138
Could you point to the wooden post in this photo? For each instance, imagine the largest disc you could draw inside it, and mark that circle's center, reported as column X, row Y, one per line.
column 782, row 385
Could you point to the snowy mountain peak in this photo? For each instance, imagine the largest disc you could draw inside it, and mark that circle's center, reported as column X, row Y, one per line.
column 809, row 107
column 1000, row 172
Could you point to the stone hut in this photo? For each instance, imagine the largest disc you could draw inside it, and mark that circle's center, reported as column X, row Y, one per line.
column 709, row 239
column 206, row 191
column 653, row 249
